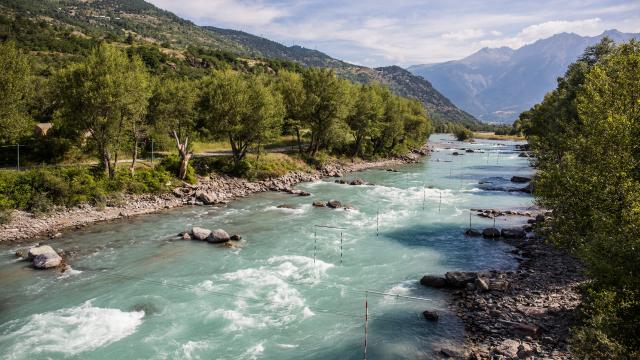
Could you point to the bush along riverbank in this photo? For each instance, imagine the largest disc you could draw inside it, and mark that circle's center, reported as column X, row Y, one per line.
column 213, row 189
column 526, row 313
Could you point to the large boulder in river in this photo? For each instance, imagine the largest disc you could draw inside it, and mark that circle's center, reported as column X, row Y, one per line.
column 357, row 181
column 433, row 281
column 491, row 233
column 512, row 233
column 47, row 260
column 459, row 279
column 199, row 233
column 39, row 250
column 334, row 204
column 218, row 236
column 472, row 232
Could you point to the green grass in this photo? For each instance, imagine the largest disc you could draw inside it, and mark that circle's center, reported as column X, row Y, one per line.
column 494, row 136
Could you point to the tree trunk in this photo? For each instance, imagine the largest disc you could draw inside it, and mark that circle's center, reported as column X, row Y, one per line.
column 358, row 144
column 299, row 140
column 106, row 163
column 184, row 154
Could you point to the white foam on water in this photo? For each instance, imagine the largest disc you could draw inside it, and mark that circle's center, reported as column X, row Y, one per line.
column 71, row 331
column 69, row 271
column 296, row 211
column 188, row 349
column 238, row 321
column 254, row 352
column 287, row 346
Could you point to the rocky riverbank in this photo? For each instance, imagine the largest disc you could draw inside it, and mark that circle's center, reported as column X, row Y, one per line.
column 210, row 190
column 520, row 314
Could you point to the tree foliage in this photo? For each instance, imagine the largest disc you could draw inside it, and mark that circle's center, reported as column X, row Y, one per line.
column 585, row 134
column 15, row 91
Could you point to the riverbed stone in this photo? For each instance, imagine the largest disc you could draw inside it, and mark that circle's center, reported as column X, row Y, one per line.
column 218, row 236
column 39, row 250
column 334, row 204
column 357, row 181
column 47, row 260
column 200, row 233
column 319, row 203
column 512, row 233
column 473, row 233
column 430, row 315
column 491, row 233
column 459, row 279
column 520, row 179
column 508, row 348
column 433, row 281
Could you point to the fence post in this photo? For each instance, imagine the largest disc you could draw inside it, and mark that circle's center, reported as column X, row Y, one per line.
column 152, row 157
column 18, row 147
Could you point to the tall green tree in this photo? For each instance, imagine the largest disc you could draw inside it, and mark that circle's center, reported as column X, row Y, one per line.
column 15, row 91
column 247, row 112
column 326, row 106
column 366, row 115
column 102, row 99
column 173, row 114
column 291, row 87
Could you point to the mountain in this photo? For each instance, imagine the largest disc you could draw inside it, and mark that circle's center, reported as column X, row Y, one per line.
column 401, row 81
column 77, row 21
column 495, row 85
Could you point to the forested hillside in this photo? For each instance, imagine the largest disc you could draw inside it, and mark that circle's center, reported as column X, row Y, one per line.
column 80, row 23
column 585, row 136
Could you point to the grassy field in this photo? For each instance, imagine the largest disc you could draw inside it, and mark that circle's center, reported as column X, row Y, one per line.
column 493, row 136
column 284, row 141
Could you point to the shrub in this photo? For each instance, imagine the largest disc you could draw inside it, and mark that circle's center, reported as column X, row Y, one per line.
column 172, row 164
column 463, row 134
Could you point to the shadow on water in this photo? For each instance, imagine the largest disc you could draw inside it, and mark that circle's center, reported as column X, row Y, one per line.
column 458, row 251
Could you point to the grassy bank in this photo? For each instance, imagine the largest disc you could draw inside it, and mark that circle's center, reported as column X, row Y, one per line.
column 494, row 136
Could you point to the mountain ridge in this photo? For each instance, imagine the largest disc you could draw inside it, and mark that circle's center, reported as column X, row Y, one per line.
column 496, row 84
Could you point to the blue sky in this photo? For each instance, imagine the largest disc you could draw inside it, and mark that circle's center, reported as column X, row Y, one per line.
column 406, row 32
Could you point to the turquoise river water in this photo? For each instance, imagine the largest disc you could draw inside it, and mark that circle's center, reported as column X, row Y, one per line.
column 290, row 292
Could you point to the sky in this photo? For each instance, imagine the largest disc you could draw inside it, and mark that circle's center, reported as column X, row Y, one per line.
column 408, row 32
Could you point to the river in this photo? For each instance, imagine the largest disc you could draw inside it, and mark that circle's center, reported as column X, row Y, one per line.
column 296, row 289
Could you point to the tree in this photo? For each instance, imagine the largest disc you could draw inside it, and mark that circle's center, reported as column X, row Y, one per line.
column 588, row 175
column 248, row 112
column 15, row 90
column 105, row 97
column 291, row 87
column 326, row 106
column 366, row 115
column 173, row 114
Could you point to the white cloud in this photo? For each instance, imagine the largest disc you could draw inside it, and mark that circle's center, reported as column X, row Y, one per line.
column 247, row 13
column 466, row 34
column 532, row 33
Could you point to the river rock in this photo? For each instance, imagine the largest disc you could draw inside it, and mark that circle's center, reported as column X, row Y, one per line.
column 185, row 236
column 341, row 181
column 459, row 279
column 527, row 189
column 334, row 204
column 455, row 153
column 430, row 315
column 508, row 348
column 206, row 198
column 433, row 281
column 525, row 329
column 22, row 253
column 39, row 250
column 491, row 233
column 472, row 232
column 480, row 284
column 512, row 233
column 286, row 206
column 235, row 237
column 357, row 181
column 200, row 233
column 520, row 179
column 218, row 236
column 47, row 260
column 319, row 203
